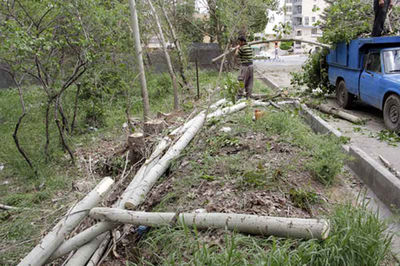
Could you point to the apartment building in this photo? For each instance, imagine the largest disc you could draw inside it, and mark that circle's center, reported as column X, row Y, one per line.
column 305, row 13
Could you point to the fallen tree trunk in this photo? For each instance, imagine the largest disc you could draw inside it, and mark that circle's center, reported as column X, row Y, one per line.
column 55, row 237
column 89, row 234
column 82, row 255
column 252, row 224
column 268, row 41
column 337, row 112
column 157, row 170
column 98, row 254
column 227, row 110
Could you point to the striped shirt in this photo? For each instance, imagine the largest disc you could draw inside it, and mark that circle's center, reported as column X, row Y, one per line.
column 245, row 54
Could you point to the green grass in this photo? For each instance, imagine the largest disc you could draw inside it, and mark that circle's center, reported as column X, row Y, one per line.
column 356, row 238
column 326, row 158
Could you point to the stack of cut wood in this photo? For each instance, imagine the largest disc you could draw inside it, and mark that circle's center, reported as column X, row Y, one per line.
column 88, row 246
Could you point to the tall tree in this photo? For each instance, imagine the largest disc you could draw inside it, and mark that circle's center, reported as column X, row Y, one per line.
column 139, row 56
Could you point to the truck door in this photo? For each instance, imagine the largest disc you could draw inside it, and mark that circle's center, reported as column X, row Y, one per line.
column 370, row 80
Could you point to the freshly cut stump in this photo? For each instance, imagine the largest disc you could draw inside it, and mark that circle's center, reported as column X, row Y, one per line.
column 137, row 147
column 153, row 127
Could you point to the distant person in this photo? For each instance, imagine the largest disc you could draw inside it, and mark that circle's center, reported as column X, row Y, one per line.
column 245, row 55
column 381, row 8
column 276, row 51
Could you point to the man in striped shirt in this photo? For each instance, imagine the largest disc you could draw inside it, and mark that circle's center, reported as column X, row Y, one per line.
column 245, row 55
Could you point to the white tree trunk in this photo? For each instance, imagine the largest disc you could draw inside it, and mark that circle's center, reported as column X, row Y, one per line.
column 157, row 170
column 227, row 110
column 337, row 112
column 98, row 254
column 82, row 238
column 167, row 57
column 82, row 255
column 218, row 103
column 139, row 56
column 55, row 237
column 252, row 224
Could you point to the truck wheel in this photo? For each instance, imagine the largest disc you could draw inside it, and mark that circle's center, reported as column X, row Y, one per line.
column 343, row 97
column 391, row 113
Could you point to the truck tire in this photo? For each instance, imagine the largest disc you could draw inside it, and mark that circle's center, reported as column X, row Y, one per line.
column 391, row 113
column 343, row 97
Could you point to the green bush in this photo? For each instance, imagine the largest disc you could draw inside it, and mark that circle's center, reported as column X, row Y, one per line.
column 286, row 45
column 314, row 73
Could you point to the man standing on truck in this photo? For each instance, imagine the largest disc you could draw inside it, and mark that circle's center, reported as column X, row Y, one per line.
column 381, row 8
column 245, row 55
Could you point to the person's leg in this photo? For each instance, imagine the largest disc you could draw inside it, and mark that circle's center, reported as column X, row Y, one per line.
column 241, row 79
column 380, row 17
column 249, row 81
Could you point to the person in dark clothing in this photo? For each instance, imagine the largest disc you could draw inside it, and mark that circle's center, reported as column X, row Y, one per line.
column 381, row 8
column 245, row 56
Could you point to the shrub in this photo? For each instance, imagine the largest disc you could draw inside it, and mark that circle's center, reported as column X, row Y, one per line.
column 286, row 45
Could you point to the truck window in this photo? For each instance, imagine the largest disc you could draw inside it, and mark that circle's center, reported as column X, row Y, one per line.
column 391, row 59
column 373, row 63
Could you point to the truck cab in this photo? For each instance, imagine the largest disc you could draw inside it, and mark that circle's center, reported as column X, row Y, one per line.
column 368, row 70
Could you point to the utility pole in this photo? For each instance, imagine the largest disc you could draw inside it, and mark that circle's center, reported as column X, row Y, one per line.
column 139, row 56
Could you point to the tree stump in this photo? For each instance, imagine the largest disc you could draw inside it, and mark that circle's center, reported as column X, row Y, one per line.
column 136, row 146
column 153, row 127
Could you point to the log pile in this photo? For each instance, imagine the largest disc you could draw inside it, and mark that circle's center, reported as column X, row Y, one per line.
column 88, row 246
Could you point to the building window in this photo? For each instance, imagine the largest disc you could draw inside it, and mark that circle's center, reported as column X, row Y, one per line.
column 288, row 1
column 298, row 22
column 313, row 19
column 298, row 33
column 314, row 31
column 314, row 8
column 289, row 9
column 306, row 21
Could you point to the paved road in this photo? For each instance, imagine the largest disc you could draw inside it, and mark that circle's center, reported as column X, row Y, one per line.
column 363, row 136
column 279, row 71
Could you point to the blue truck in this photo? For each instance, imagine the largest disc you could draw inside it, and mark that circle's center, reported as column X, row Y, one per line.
column 368, row 69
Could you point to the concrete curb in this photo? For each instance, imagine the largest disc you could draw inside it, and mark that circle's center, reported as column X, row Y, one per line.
column 266, row 80
column 380, row 180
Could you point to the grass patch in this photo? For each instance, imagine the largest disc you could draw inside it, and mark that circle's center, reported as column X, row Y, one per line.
column 357, row 238
column 326, row 159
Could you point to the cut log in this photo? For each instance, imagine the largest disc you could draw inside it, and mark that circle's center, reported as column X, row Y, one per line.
column 153, row 127
column 99, row 228
column 98, row 254
column 218, row 103
column 157, row 170
column 137, row 146
column 251, row 224
column 227, row 110
column 339, row 113
column 82, row 238
column 82, row 255
column 55, row 237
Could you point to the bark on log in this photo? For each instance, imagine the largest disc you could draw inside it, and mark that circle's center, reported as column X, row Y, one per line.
column 227, row 110
column 149, row 180
column 268, row 41
column 153, row 127
column 218, row 103
column 98, row 254
column 335, row 111
column 54, row 238
column 82, row 255
column 252, row 224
